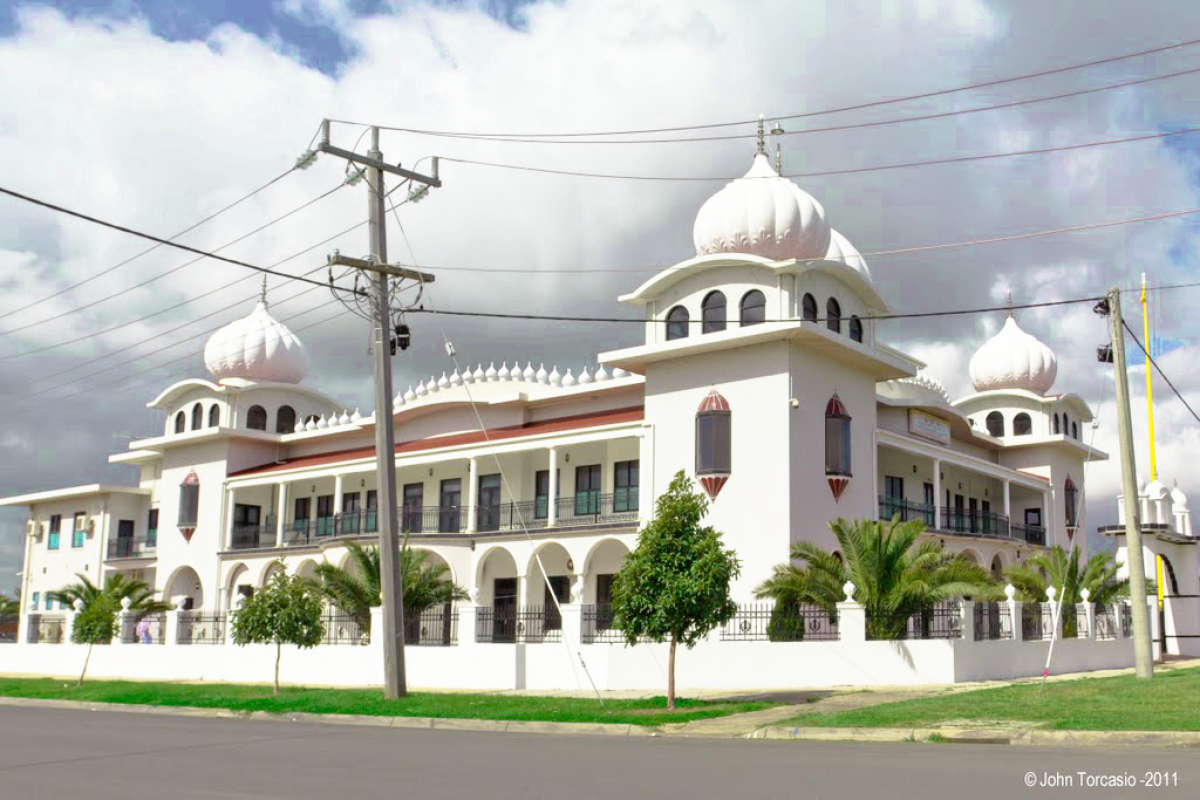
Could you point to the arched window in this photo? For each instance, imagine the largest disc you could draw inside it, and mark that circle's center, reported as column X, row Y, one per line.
column 1056, row 431
column 713, row 313
column 285, row 420
column 754, row 308
column 197, row 416
column 677, row 323
column 256, row 418
column 833, row 315
column 809, row 308
column 837, row 438
column 1066, row 425
column 1074, row 430
column 1071, row 501
column 180, row 422
column 997, row 567
column 1022, row 425
column 214, row 416
column 995, row 424
column 855, row 329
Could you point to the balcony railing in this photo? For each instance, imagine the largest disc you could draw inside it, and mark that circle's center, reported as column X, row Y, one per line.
column 249, row 537
column 960, row 520
column 132, row 548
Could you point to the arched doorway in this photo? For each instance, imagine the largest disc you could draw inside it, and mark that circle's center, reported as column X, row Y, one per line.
column 184, row 589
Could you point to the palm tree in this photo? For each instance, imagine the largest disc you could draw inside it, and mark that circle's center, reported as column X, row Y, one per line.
column 357, row 591
column 896, row 576
column 9, row 607
column 1055, row 567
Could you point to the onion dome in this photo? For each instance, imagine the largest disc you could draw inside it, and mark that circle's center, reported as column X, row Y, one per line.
column 256, row 348
column 1155, row 490
column 1178, row 498
column 1012, row 359
column 762, row 214
column 841, row 250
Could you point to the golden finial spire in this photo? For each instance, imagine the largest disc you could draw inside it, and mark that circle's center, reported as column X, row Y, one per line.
column 762, row 141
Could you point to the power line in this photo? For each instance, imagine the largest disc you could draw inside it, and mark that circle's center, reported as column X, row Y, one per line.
column 847, row 127
column 823, row 173
column 187, row 230
column 1159, row 369
column 856, row 107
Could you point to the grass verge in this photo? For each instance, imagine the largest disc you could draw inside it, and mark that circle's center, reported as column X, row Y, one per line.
column 240, row 697
column 1168, row 702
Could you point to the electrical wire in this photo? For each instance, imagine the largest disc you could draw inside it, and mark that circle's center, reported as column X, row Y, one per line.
column 828, row 172
column 187, row 230
column 846, row 127
column 823, row 112
column 1159, row 369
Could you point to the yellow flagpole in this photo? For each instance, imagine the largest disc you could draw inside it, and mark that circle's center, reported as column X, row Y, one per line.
column 1149, row 388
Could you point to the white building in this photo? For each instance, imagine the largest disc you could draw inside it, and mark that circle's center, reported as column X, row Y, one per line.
column 761, row 374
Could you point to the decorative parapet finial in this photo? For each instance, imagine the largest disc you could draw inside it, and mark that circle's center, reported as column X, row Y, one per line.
column 762, row 141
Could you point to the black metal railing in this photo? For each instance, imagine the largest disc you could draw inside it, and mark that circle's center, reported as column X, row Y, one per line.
column 1106, row 622
column 597, row 509
column 45, row 629
column 528, row 625
column 10, row 624
column 148, row 629
column 890, row 507
column 1033, row 534
column 1126, row 620
column 942, row 621
column 596, row 621
column 132, row 548
column 764, row 622
column 433, row 627
column 199, row 628
column 250, row 537
column 993, row 622
column 340, row 628
column 1037, row 621
column 961, row 521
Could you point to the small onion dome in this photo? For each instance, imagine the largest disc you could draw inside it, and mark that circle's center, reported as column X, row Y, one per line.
column 841, row 250
column 1155, row 490
column 834, row 407
column 1012, row 359
column 714, row 405
column 257, row 348
column 1178, row 498
column 762, row 214
column 713, row 401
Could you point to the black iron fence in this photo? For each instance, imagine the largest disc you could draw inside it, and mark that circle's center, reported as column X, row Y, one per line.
column 1126, row 619
column 433, row 627
column 198, row 628
column 529, row 625
column 942, row 621
column 766, row 622
column 148, row 629
column 45, row 628
column 341, row 628
column 1075, row 621
column 1106, row 622
column 1037, row 621
column 9, row 626
column 993, row 622
column 132, row 548
column 597, row 625
column 1033, row 534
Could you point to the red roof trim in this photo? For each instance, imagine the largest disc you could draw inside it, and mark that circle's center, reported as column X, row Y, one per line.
column 556, row 425
column 1032, row 475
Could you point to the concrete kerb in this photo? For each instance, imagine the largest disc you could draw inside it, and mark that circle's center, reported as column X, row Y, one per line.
column 1016, row 736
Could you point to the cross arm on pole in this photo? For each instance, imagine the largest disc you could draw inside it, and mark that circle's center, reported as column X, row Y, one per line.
column 339, row 260
column 378, row 164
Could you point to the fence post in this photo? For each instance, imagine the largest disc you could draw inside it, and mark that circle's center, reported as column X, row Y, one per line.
column 1089, row 613
column 466, row 621
column 69, row 621
column 123, row 620
column 171, row 632
column 1014, row 614
column 852, row 617
column 968, row 619
column 1055, row 619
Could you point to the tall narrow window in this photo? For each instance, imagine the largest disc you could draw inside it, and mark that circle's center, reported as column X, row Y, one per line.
column 677, row 323
column 256, row 418
column 285, row 420
column 625, row 486
column 856, row 330
column 1056, row 423
column 995, row 424
column 754, row 308
column 79, row 532
column 214, row 416
column 197, row 417
column 808, row 308
column 833, row 315
column 587, row 490
column 714, row 448
column 1071, row 501
column 180, row 422
column 837, row 438
column 189, row 501
column 1022, row 425
column 152, row 528
column 541, row 494
column 713, row 313
column 1074, row 430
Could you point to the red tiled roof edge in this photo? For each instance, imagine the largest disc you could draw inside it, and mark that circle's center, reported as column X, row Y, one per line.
column 555, row 425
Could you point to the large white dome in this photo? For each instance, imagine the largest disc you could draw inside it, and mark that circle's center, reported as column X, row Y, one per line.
column 1012, row 359
column 258, row 348
column 762, row 214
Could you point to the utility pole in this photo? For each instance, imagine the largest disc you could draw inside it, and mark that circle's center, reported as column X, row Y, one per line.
column 392, row 589
column 1143, row 663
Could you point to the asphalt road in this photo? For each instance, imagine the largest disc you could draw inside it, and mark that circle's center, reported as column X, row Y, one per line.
column 53, row 753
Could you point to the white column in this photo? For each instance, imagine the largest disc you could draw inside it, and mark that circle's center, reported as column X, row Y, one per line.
column 1008, row 499
column 280, row 513
column 171, row 633
column 228, row 518
column 552, row 504
column 968, row 620
column 937, row 492
column 337, row 495
column 473, row 496
column 645, row 473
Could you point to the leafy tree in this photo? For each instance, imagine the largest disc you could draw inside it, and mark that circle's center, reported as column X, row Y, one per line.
column 286, row 610
column 357, row 591
column 1055, row 567
column 675, row 584
column 96, row 622
column 895, row 574
column 9, row 606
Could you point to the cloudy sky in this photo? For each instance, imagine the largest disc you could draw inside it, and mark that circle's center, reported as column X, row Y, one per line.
column 157, row 114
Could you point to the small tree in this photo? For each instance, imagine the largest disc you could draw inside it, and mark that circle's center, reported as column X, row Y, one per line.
column 675, row 584
column 96, row 623
column 9, row 606
column 286, row 610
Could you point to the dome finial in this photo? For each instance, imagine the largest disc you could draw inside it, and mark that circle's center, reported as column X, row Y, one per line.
column 1010, row 302
column 778, row 159
column 264, row 290
column 762, row 141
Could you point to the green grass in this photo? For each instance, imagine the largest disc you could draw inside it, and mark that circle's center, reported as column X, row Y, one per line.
column 239, row 697
column 1167, row 702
